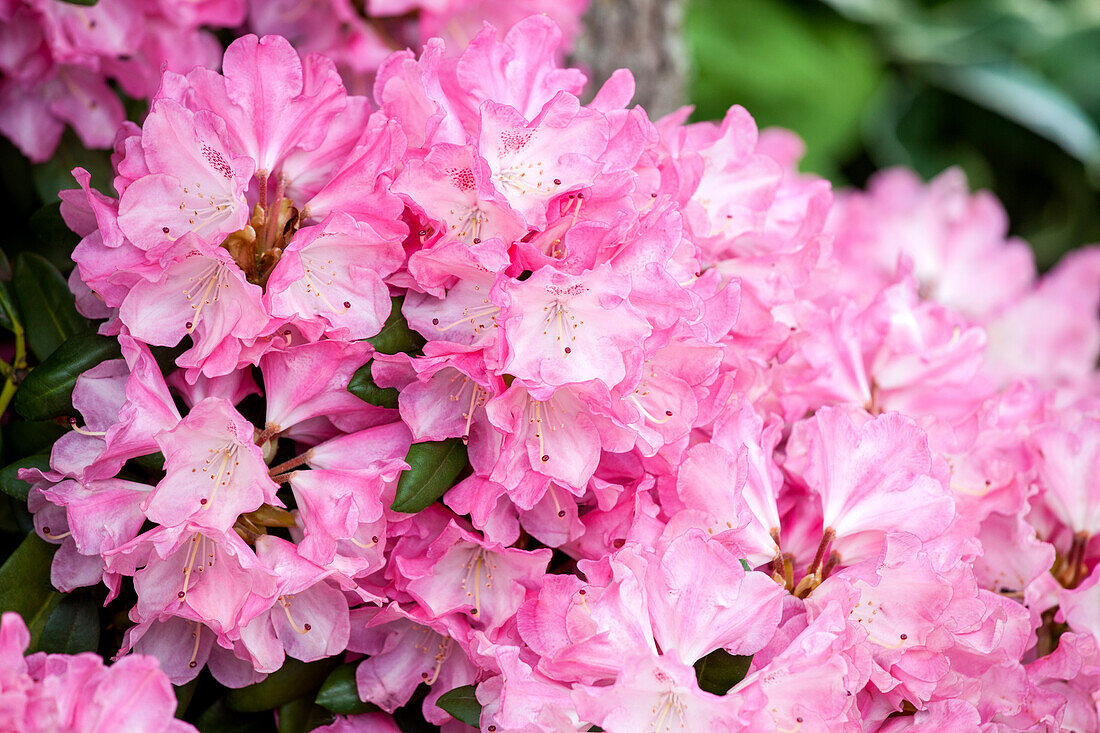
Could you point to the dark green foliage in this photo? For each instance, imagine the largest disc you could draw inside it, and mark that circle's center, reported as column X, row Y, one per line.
column 462, row 704
column 719, row 671
column 48, row 390
column 434, row 468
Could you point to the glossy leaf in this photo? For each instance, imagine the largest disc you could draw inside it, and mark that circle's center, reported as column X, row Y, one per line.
column 11, row 484
column 340, row 694
column 297, row 716
column 462, row 704
column 362, row 386
column 396, row 336
column 184, row 694
column 719, row 671
column 56, row 173
column 293, row 680
column 28, row 438
column 25, row 584
column 73, row 627
column 9, row 315
column 48, row 390
column 220, row 718
column 1028, row 99
column 56, row 241
column 434, row 467
column 47, row 306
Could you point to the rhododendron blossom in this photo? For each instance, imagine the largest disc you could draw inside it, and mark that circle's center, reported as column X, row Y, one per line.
column 620, row 422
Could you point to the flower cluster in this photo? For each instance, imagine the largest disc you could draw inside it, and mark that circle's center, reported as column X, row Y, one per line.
column 59, row 60
column 360, row 36
column 707, row 410
column 43, row 693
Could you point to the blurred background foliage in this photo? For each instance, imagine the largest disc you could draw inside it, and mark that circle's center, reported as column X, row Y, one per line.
column 1007, row 89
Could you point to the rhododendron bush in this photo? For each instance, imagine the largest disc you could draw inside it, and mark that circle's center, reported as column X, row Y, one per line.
column 463, row 403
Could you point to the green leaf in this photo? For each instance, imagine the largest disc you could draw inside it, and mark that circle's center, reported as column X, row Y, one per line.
column 27, row 438
column 396, row 336
column 151, row 464
column 220, row 718
column 184, row 694
column 9, row 316
column 294, row 715
column 790, row 64
column 15, row 487
column 56, row 240
column 434, row 466
column 719, row 671
column 1024, row 96
column 48, row 390
column 293, row 680
column 48, row 308
column 340, row 694
column 25, row 584
column 9, row 525
column 5, row 267
column 24, row 521
column 56, row 173
column 73, row 627
column 362, row 386
column 462, row 703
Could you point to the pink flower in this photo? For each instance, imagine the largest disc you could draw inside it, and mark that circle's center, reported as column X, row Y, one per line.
column 458, row 573
column 561, row 329
column 214, row 471
column 210, row 578
column 194, row 184
column 58, row 61
column 874, row 475
column 309, row 619
column 48, row 692
column 403, row 654
column 203, row 296
column 658, row 693
column 329, row 280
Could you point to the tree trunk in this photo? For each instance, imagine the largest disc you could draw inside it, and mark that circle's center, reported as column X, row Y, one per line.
column 645, row 36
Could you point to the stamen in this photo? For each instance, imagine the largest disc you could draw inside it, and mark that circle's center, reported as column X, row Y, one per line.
column 82, row 431
column 357, row 543
column 190, row 565
column 554, row 496
column 971, row 492
column 468, row 315
column 670, row 704
column 556, row 315
column 538, row 432
column 648, row 415
column 797, row 726
column 901, row 642
column 315, row 269
column 221, row 478
column 473, row 567
column 211, row 276
column 195, row 649
column 469, row 414
column 285, row 601
column 440, row 657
